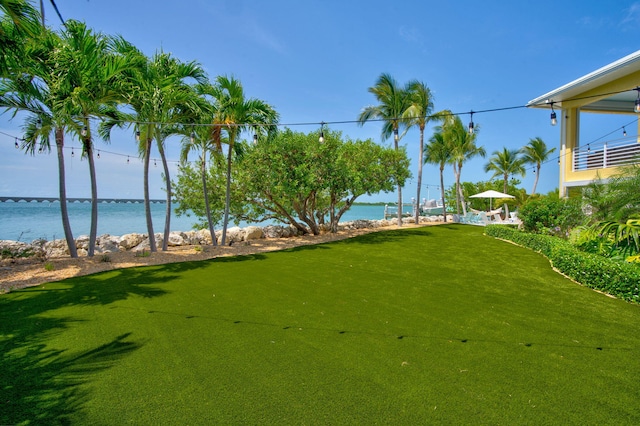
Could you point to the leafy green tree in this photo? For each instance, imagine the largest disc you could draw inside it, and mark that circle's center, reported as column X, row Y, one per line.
column 506, row 163
column 419, row 114
column 233, row 113
column 536, row 153
column 552, row 215
column 437, row 152
column 393, row 103
column 18, row 24
column 296, row 179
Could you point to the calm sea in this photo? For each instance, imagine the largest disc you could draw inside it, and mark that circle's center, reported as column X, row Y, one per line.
column 29, row 221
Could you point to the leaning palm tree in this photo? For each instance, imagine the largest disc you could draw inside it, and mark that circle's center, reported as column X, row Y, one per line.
column 394, row 101
column 157, row 92
column 463, row 148
column 438, row 152
column 37, row 92
column 419, row 114
column 536, row 153
column 232, row 114
column 506, row 163
column 91, row 75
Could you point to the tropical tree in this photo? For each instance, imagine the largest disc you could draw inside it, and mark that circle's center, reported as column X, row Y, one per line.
column 506, row 163
column 38, row 93
column 394, row 101
column 536, row 153
column 18, row 22
column 463, row 147
column 158, row 94
column 90, row 75
column 232, row 114
column 438, row 152
column 419, row 114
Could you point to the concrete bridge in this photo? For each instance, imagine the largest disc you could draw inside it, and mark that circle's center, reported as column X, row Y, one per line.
column 17, row 199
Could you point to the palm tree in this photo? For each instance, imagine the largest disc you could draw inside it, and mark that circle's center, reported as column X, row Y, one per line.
column 18, row 22
column 438, row 152
column 38, row 92
column 233, row 113
column 157, row 92
column 394, row 101
column 506, row 163
column 201, row 141
column 419, row 114
column 91, row 74
column 536, row 152
column 463, row 147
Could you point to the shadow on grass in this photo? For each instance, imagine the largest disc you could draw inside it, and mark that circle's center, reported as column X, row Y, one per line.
column 44, row 386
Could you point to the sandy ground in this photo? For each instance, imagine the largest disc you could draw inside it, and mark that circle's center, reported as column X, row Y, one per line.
column 20, row 273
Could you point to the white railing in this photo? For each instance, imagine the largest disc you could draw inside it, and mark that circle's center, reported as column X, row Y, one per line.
column 606, row 154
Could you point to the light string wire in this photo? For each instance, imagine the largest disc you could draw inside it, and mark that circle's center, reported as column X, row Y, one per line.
column 327, row 123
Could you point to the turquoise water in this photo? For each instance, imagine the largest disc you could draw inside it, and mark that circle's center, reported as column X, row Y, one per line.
column 29, row 221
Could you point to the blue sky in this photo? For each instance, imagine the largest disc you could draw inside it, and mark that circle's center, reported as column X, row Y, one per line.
column 314, row 61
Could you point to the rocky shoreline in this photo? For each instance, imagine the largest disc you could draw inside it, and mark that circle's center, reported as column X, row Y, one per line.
column 135, row 242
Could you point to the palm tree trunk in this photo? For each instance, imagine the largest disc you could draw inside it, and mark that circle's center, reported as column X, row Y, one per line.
column 535, row 182
column 227, row 197
column 167, row 215
column 94, row 198
column 147, row 202
column 460, row 193
column 457, row 187
column 62, row 187
column 420, row 161
column 444, row 206
column 399, row 192
column 504, row 186
column 207, row 208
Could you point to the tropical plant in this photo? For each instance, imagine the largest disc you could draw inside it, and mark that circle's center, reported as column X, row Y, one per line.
column 18, row 23
column 38, row 93
column 552, row 215
column 626, row 237
column 393, row 103
column 617, row 198
column 157, row 92
column 232, row 114
column 419, row 114
column 536, row 153
column 438, row 152
column 506, row 163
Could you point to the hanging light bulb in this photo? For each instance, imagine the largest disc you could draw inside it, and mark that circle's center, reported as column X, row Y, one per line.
column 321, row 139
column 588, row 149
column 98, row 154
column 554, row 117
column 624, row 131
column 636, row 108
column 73, row 154
column 17, row 145
column 39, row 123
column 138, row 135
column 40, row 149
column 154, row 163
column 127, row 159
column 193, row 137
column 84, row 131
column 395, row 134
column 471, row 126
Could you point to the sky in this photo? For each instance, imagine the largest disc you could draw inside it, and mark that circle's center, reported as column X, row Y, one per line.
column 314, row 61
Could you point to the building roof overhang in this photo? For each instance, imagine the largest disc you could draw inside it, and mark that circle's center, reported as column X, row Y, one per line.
column 585, row 89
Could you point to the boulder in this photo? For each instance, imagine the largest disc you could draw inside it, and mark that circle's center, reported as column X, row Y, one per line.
column 177, row 239
column 129, row 241
column 15, row 249
column 107, row 244
column 82, row 242
column 56, row 248
column 203, row 236
column 235, row 234
column 253, row 233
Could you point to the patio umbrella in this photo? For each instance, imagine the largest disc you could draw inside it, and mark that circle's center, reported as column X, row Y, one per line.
column 491, row 194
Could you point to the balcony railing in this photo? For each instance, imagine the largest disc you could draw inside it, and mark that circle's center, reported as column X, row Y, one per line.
column 607, row 154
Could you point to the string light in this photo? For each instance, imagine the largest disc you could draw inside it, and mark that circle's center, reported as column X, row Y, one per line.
column 588, row 148
column 84, row 131
column 98, row 154
column 554, row 119
column 637, row 105
column 17, row 145
column 395, row 134
column 154, row 163
column 138, row 135
column 624, row 131
column 471, row 123
column 73, row 154
column 127, row 159
column 321, row 139
column 193, row 137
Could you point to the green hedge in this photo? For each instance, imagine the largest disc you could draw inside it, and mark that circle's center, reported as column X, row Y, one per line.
column 618, row 279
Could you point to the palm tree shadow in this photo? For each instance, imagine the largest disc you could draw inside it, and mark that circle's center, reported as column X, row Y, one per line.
column 48, row 386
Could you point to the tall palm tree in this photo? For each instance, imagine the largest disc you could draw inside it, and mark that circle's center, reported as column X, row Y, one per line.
column 536, row 153
column 463, row 148
column 156, row 89
column 394, row 101
column 38, row 93
column 419, row 114
column 91, row 74
column 232, row 114
column 200, row 140
column 438, row 152
column 506, row 163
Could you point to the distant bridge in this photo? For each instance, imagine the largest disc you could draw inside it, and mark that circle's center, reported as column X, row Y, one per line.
column 76, row 200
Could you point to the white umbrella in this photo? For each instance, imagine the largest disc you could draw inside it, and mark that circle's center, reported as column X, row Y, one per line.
column 491, row 194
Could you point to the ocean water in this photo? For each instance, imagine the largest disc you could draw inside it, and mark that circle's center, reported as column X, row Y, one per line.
column 26, row 222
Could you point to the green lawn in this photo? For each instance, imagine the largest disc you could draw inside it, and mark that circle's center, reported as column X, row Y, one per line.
column 424, row 325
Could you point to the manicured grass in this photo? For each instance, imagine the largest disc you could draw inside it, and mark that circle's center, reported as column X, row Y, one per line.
column 416, row 326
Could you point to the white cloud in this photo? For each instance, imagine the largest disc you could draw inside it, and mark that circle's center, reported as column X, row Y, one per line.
column 411, row 35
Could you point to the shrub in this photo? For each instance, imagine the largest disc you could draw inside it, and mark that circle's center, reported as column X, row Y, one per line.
column 49, row 266
column 618, row 279
column 551, row 215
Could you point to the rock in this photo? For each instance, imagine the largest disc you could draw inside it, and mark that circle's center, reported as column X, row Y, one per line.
column 129, row 241
column 253, row 233
column 56, row 248
column 234, row 234
column 82, row 242
column 177, row 239
column 9, row 249
column 203, row 236
column 107, row 244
